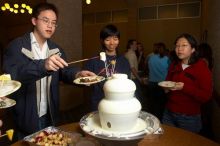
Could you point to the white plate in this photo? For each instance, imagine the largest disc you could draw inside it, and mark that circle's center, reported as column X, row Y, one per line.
column 98, row 79
column 146, row 124
column 6, row 102
column 8, row 86
column 167, row 84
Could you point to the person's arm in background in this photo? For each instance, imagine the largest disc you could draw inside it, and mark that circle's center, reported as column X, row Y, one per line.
column 132, row 67
column 135, row 73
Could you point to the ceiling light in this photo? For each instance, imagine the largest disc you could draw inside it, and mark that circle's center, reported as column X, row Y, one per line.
column 22, row 10
column 16, row 6
column 27, row 7
column 3, row 8
column 15, row 11
column 7, row 6
column 11, row 9
column 88, row 2
column 23, row 5
column 30, row 11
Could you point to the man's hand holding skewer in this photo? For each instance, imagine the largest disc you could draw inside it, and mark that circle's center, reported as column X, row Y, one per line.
column 54, row 63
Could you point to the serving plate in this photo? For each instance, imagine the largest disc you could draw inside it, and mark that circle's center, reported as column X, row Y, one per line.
column 70, row 138
column 8, row 86
column 91, row 80
column 167, row 84
column 6, row 102
column 147, row 124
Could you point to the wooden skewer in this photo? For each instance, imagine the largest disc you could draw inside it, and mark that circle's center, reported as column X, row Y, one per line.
column 82, row 60
column 3, row 135
column 77, row 61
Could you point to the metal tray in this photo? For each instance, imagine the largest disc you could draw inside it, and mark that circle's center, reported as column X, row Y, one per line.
column 147, row 126
column 71, row 139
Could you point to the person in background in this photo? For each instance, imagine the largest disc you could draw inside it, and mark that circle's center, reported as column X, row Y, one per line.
column 205, row 52
column 141, row 58
column 158, row 65
column 39, row 64
column 116, row 63
column 172, row 56
column 133, row 62
column 155, row 46
column 193, row 86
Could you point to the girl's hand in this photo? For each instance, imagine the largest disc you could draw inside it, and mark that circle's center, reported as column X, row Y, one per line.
column 178, row 86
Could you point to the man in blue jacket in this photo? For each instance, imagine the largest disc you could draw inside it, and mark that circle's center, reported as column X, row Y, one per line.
column 39, row 64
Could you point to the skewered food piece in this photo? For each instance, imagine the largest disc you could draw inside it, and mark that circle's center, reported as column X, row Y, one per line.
column 10, row 134
column 113, row 62
column 102, row 56
column 5, row 77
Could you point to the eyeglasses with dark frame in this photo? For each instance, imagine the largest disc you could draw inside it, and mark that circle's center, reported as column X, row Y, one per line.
column 46, row 21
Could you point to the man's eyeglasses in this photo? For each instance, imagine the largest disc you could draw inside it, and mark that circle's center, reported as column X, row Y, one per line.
column 48, row 22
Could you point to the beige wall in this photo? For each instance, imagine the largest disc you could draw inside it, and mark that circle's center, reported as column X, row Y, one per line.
column 69, row 36
column 212, row 25
column 104, row 5
column 166, row 31
column 147, row 32
column 69, row 31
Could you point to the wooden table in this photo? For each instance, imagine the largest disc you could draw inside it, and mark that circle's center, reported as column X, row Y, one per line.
column 172, row 137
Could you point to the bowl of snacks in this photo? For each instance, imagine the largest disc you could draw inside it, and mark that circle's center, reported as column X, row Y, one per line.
column 53, row 136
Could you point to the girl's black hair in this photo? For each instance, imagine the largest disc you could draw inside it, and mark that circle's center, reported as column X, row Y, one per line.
column 193, row 43
column 107, row 31
column 160, row 49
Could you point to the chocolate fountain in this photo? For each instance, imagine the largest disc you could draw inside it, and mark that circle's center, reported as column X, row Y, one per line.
column 119, row 119
column 119, row 110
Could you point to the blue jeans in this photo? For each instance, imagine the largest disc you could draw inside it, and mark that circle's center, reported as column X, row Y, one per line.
column 187, row 122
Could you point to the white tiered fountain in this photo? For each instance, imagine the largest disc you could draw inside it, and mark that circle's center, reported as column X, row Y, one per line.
column 119, row 110
column 119, row 119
